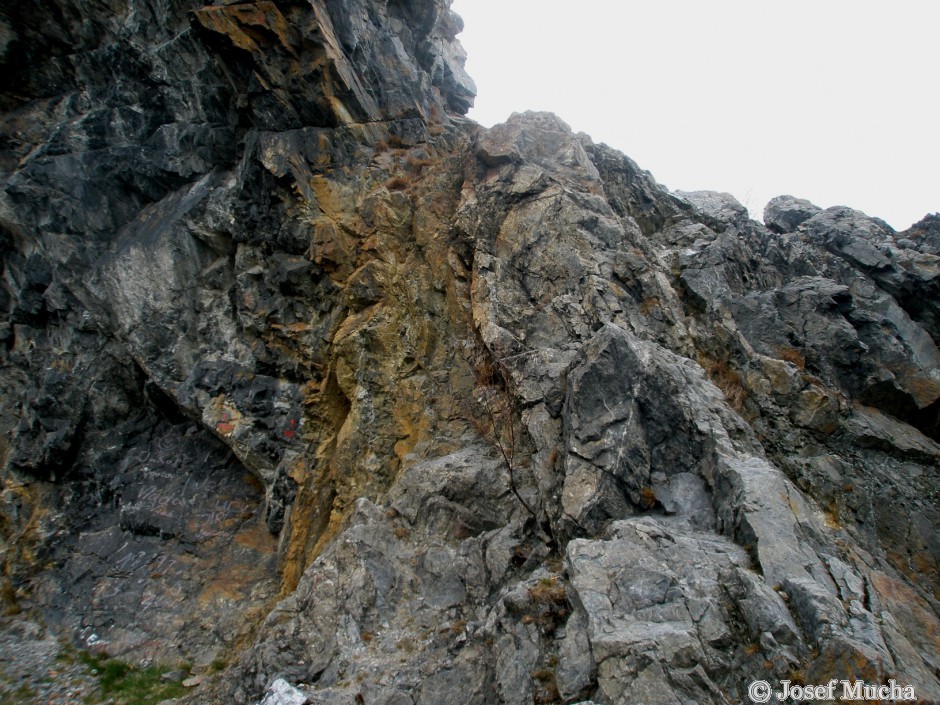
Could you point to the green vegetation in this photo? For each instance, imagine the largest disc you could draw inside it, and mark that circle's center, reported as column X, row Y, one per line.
column 126, row 684
column 20, row 695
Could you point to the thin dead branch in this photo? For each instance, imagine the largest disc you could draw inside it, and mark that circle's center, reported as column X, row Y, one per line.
column 494, row 413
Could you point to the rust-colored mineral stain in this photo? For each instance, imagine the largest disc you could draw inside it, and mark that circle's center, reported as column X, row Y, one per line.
column 240, row 24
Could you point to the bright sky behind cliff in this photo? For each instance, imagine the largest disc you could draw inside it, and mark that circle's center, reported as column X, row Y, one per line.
column 835, row 101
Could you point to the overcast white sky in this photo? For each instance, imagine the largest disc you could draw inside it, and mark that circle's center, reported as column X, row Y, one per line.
column 830, row 100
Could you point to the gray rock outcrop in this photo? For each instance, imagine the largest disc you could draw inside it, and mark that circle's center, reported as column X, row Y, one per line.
column 314, row 383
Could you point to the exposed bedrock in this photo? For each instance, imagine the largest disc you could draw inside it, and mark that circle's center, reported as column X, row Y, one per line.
column 305, row 374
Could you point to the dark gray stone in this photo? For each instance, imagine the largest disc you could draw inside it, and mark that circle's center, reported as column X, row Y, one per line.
column 784, row 214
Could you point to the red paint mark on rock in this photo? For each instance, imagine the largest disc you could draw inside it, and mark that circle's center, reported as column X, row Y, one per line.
column 224, row 426
column 289, row 432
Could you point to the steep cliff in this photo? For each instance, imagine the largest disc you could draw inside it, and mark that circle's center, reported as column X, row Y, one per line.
column 308, row 376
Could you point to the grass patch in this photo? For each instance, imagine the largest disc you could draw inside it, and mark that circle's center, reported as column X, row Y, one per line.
column 20, row 695
column 548, row 591
column 417, row 165
column 546, row 688
column 649, row 305
column 727, row 379
column 126, row 684
column 792, row 355
column 647, row 498
column 548, row 605
column 396, row 183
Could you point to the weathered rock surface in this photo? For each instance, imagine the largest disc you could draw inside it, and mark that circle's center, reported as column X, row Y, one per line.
column 784, row 214
column 305, row 374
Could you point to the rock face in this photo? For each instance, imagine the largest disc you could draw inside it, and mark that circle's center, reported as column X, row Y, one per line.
column 307, row 374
